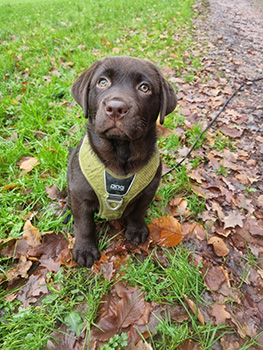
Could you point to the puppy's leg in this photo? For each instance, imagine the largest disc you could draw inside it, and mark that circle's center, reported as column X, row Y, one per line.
column 137, row 230
column 85, row 251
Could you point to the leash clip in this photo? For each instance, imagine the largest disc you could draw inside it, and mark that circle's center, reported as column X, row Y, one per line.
column 116, row 189
column 114, row 202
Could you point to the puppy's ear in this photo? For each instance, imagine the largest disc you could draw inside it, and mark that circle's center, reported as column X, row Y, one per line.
column 81, row 87
column 168, row 99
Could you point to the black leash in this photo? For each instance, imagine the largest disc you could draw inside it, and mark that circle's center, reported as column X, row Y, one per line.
column 240, row 88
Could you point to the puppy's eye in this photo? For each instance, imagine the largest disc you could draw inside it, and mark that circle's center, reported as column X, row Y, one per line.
column 144, row 88
column 103, row 82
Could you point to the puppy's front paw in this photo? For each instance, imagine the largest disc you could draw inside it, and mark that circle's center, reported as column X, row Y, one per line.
column 137, row 235
column 86, row 255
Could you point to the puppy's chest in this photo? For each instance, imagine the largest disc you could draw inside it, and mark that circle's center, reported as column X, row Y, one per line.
column 114, row 192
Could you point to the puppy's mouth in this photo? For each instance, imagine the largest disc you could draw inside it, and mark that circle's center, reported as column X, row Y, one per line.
column 115, row 133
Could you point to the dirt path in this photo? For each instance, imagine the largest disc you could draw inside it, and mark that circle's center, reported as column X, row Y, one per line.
column 240, row 24
column 230, row 36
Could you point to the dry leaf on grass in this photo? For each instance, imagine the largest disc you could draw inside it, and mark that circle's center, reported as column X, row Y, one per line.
column 20, row 269
column 28, row 163
column 31, row 234
column 195, row 309
column 52, row 191
column 166, row 231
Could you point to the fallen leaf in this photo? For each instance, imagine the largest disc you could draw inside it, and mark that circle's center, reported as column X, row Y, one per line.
column 214, row 278
column 52, row 191
column 62, row 339
column 166, row 231
column 219, row 246
column 9, row 187
column 31, row 234
column 235, row 218
column 106, row 328
column 189, row 344
column 220, row 314
column 256, row 227
column 260, row 201
column 196, row 229
column 19, row 270
column 178, row 207
column 141, row 345
column 195, row 309
column 130, row 308
column 28, row 163
column 232, row 132
column 35, row 287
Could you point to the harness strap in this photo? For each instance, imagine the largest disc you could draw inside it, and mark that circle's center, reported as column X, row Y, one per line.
column 114, row 192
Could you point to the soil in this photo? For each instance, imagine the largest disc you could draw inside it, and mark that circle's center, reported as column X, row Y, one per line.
column 235, row 28
column 231, row 33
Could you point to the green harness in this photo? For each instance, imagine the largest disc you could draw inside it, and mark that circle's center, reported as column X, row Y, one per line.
column 114, row 192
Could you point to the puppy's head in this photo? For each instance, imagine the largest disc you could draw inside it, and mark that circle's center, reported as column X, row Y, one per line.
column 123, row 96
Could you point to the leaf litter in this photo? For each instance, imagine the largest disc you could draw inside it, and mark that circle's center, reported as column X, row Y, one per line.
column 222, row 235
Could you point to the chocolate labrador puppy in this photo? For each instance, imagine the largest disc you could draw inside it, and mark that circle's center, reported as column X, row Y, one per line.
column 115, row 170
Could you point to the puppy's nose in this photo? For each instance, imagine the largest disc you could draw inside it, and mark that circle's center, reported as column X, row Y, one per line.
column 116, row 109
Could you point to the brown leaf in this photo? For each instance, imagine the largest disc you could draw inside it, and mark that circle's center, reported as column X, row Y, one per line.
column 31, row 234
column 141, row 345
column 219, row 245
column 166, row 231
column 196, row 229
column 143, row 320
column 219, row 229
column 108, row 270
column 178, row 207
column 232, row 132
column 51, row 247
column 9, row 187
column 52, row 191
column 62, row 339
column 194, row 309
column 256, row 227
column 235, row 218
column 35, row 287
column 107, row 328
column 220, row 314
column 189, row 344
column 196, row 176
column 28, row 163
column 260, row 201
column 214, row 278
column 20, row 269
column 50, row 264
column 178, row 313
column 130, row 309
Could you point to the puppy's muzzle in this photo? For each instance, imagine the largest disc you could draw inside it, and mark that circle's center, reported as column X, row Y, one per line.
column 116, row 109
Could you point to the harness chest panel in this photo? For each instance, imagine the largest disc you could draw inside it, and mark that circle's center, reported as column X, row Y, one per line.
column 114, row 192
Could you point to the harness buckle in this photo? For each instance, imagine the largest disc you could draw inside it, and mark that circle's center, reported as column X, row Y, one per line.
column 114, row 202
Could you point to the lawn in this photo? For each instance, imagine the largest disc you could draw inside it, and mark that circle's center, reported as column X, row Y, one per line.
column 45, row 45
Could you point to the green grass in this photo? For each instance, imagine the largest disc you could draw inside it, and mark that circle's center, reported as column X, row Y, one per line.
column 166, row 283
column 30, row 328
column 45, row 45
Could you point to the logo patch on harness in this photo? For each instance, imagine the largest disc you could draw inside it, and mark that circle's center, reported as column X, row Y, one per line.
column 116, row 189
